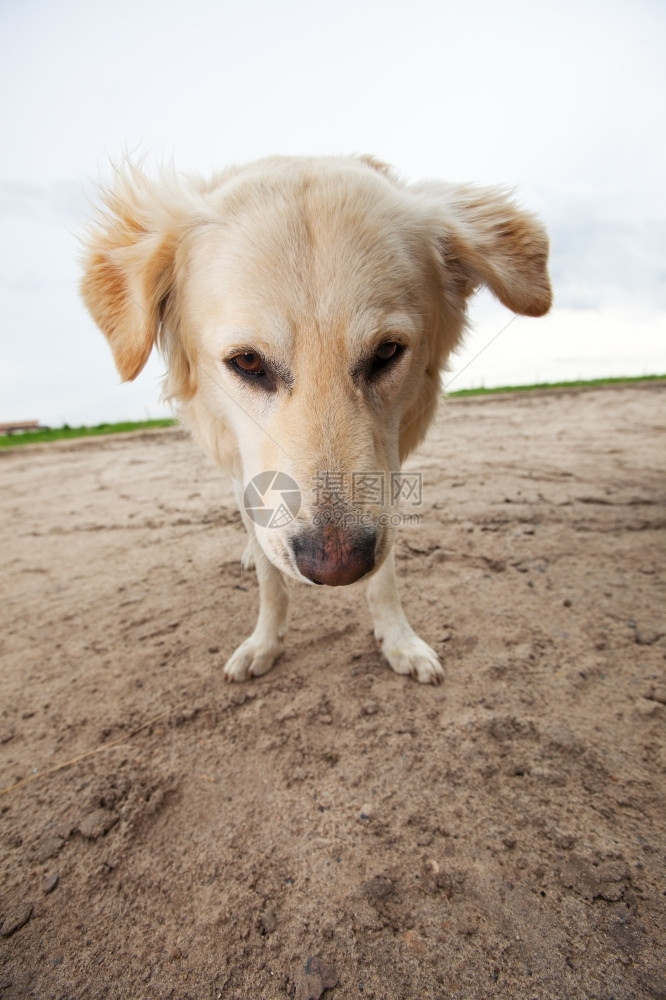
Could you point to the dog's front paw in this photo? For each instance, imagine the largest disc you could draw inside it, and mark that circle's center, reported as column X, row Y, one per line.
column 253, row 658
column 407, row 654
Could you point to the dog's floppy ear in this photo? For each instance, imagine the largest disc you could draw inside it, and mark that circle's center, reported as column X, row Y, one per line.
column 486, row 240
column 128, row 262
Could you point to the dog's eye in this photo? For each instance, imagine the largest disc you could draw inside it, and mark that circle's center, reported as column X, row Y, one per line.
column 386, row 351
column 385, row 355
column 248, row 363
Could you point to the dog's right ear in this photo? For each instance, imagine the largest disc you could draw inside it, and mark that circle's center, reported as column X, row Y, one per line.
column 128, row 262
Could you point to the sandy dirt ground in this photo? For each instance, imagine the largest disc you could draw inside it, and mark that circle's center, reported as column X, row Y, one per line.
column 331, row 829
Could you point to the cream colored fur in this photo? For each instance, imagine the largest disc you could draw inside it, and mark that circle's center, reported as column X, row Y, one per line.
column 309, row 264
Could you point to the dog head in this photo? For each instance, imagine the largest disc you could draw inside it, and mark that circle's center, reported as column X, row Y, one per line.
column 305, row 309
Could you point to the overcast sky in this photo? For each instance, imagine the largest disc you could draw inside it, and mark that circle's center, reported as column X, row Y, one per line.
column 562, row 100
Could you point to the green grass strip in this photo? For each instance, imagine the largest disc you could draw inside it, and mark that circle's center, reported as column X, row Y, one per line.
column 580, row 384
column 66, row 432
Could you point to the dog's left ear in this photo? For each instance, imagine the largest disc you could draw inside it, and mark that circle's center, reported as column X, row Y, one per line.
column 485, row 239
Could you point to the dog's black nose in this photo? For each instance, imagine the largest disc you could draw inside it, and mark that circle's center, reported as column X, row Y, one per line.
column 329, row 555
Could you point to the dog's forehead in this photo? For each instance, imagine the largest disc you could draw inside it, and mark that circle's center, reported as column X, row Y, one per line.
column 333, row 254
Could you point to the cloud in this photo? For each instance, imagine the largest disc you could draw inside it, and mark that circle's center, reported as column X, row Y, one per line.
column 605, row 264
column 602, row 256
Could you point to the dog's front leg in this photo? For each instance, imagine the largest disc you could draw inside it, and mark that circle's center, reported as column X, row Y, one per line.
column 257, row 654
column 406, row 653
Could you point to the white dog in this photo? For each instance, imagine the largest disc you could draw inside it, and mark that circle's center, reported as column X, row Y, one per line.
column 305, row 308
